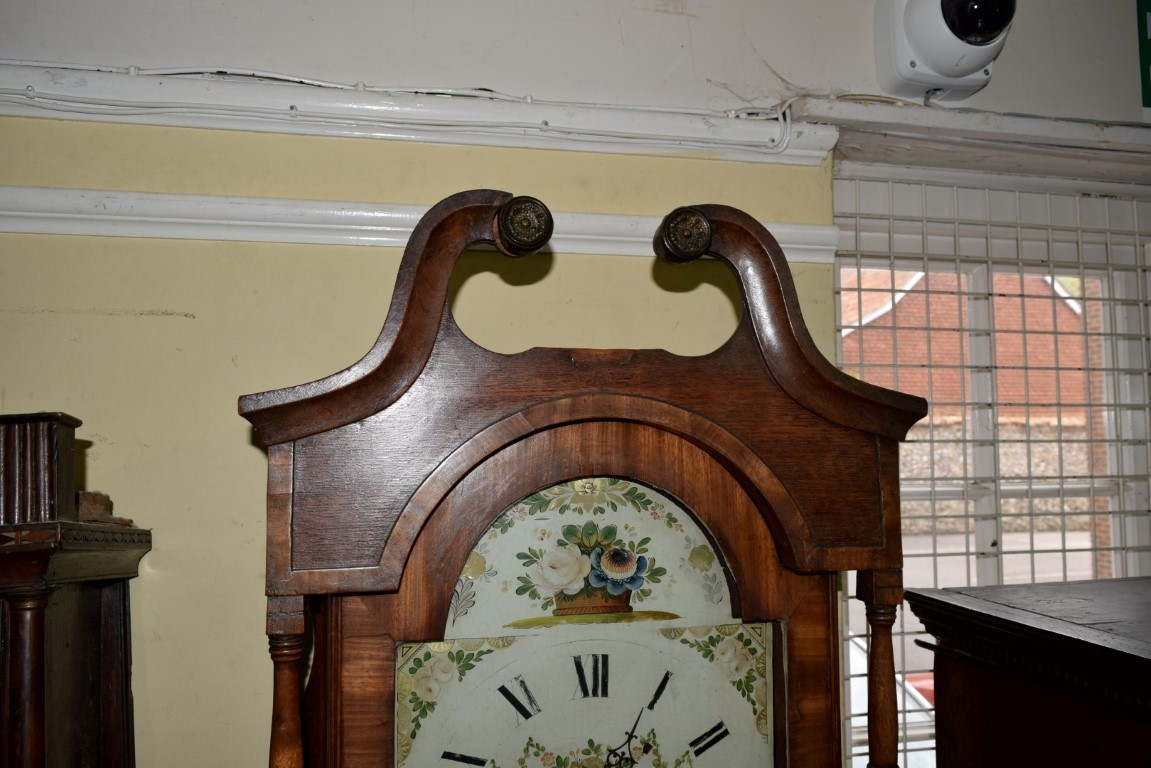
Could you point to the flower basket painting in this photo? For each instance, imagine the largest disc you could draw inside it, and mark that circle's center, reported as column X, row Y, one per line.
column 590, row 570
column 591, row 549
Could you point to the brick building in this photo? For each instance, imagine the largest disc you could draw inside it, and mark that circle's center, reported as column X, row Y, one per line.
column 910, row 331
column 913, row 331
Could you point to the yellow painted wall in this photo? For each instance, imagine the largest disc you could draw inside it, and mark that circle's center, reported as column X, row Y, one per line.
column 65, row 153
column 150, row 342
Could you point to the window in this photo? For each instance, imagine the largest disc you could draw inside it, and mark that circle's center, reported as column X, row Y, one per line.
column 1022, row 317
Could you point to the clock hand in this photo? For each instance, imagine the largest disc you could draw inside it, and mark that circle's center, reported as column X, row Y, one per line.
column 621, row 755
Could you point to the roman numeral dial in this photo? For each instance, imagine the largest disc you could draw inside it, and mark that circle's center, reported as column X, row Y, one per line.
column 709, row 738
column 659, row 690
column 592, row 675
column 521, row 698
column 633, row 697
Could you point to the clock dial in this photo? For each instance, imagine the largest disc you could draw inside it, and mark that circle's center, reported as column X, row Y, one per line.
column 560, row 699
column 591, row 626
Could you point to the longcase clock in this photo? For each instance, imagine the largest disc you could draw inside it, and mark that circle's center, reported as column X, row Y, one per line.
column 577, row 558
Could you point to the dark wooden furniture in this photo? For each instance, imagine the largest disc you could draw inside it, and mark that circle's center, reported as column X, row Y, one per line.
column 65, row 638
column 790, row 465
column 1041, row 674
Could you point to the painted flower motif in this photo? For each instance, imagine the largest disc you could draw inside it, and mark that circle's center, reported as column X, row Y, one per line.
column 588, row 492
column 562, row 569
column 429, row 679
column 548, row 760
column 732, row 654
column 701, row 558
column 475, row 567
column 425, row 685
column 637, row 753
column 616, row 570
column 442, row 669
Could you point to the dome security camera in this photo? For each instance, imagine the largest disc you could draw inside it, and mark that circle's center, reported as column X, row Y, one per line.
column 938, row 50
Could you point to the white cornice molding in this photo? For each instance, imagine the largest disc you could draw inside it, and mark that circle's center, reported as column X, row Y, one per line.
column 42, row 210
column 470, row 118
column 960, row 141
column 954, row 177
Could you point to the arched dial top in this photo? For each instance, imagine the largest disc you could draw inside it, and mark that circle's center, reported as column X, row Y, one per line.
column 419, row 321
column 604, row 549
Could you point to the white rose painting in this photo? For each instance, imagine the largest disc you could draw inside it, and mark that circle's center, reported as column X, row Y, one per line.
column 562, row 570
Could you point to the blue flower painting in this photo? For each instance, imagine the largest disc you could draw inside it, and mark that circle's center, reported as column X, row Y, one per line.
column 617, row 570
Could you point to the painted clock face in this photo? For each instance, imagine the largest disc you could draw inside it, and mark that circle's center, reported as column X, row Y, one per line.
column 590, row 627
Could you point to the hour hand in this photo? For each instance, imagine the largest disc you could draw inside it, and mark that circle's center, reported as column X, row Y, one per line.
column 621, row 755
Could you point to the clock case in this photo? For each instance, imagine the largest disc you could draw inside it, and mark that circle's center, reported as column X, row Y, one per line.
column 374, row 474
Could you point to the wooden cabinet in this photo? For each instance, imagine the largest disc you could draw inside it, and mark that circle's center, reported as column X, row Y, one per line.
column 1041, row 674
column 385, row 479
column 65, row 633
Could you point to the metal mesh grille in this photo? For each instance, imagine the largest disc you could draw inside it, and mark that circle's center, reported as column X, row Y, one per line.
column 1023, row 319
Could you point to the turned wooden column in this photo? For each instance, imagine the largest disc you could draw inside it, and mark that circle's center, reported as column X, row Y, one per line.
column 25, row 729
column 882, row 592
column 287, row 644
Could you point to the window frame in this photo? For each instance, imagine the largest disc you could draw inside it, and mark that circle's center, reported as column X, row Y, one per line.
column 1041, row 243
